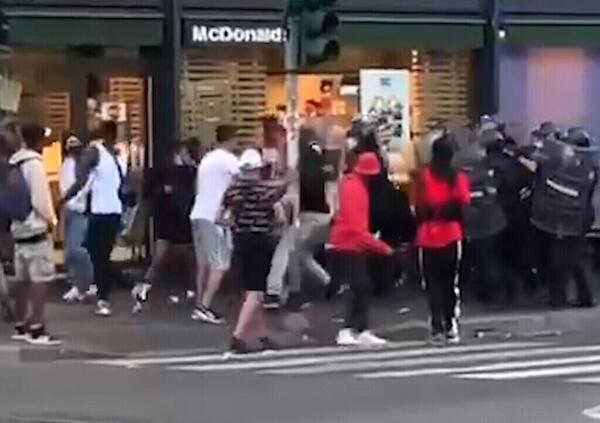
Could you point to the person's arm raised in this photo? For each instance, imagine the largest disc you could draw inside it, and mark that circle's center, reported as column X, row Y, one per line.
column 89, row 160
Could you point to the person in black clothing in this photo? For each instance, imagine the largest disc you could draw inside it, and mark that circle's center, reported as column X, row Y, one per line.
column 170, row 191
column 390, row 214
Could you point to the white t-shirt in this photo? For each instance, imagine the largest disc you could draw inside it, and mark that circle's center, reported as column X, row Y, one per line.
column 215, row 173
column 67, row 179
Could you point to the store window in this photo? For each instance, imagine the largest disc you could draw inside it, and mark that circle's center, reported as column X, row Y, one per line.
column 241, row 84
column 73, row 90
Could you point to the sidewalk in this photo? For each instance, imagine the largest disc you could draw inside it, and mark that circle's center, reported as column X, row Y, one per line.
column 164, row 329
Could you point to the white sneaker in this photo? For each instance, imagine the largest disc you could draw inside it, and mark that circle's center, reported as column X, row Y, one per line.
column 73, row 295
column 190, row 295
column 206, row 315
column 453, row 335
column 92, row 291
column 103, row 309
column 347, row 337
column 369, row 339
column 140, row 292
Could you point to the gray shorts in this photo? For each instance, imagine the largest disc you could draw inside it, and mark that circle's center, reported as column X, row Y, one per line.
column 34, row 262
column 213, row 244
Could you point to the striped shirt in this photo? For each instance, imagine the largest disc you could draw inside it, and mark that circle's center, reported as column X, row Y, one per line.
column 252, row 204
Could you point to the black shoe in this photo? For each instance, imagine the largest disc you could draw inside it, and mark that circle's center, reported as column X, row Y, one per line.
column 271, row 302
column 39, row 336
column 19, row 333
column 268, row 344
column 239, row 346
column 586, row 304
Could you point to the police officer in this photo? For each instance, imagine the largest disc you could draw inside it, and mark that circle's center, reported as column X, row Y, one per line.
column 484, row 219
column 514, row 195
column 562, row 213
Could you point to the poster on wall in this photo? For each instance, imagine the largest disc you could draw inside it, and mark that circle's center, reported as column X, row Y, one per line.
column 385, row 97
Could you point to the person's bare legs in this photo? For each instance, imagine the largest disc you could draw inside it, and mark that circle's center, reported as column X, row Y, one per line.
column 213, row 283
column 201, row 276
column 21, row 294
column 38, row 303
column 249, row 316
column 161, row 250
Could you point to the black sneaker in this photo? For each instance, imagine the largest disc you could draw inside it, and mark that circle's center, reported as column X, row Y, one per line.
column 271, row 302
column 268, row 344
column 205, row 314
column 39, row 336
column 19, row 333
column 238, row 346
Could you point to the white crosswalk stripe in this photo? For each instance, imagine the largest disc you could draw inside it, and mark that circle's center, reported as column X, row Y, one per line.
column 499, row 361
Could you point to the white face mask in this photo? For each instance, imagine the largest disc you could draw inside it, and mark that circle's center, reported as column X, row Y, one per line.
column 351, row 143
column 178, row 160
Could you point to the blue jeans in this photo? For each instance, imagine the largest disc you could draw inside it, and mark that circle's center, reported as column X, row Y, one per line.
column 77, row 258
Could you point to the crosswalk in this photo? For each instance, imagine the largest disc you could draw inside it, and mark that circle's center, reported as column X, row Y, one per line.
column 494, row 361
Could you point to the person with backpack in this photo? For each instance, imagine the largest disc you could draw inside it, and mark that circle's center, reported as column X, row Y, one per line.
column 27, row 184
column 100, row 164
column 77, row 258
column 9, row 143
column 442, row 195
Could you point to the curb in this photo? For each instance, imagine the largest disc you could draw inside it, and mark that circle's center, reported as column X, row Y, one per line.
column 526, row 324
column 38, row 354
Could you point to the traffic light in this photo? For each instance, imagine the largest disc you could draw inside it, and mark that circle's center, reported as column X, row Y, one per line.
column 318, row 26
column 4, row 28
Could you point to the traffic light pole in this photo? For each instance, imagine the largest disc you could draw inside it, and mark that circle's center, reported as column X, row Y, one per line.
column 292, row 54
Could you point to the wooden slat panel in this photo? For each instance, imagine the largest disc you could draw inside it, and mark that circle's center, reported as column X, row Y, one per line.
column 131, row 92
column 57, row 111
column 440, row 88
column 216, row 92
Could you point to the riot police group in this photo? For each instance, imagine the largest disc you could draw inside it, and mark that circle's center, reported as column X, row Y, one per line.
column 534, row 222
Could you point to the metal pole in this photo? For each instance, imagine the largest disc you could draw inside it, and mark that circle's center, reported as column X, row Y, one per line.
column 292, row 50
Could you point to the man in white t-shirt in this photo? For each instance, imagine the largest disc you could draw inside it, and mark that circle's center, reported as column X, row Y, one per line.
column 212, row 241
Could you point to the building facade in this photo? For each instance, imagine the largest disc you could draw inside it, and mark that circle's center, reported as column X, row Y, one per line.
column 180, row 67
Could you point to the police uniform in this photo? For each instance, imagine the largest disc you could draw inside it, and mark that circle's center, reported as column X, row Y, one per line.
column 562, row 213
column 484, row 221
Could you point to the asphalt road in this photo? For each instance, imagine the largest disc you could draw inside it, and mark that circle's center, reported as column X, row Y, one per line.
column 492, row 381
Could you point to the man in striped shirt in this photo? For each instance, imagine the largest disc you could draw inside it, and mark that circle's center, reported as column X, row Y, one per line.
column 252, row 203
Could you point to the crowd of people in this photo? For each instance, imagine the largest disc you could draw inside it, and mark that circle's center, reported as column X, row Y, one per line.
column 503, row 218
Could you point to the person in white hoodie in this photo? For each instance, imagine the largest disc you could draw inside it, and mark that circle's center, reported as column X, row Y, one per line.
column 77, row 258
column 33, row 255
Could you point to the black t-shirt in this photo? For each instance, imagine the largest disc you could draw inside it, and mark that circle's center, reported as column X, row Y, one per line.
column 171, row 189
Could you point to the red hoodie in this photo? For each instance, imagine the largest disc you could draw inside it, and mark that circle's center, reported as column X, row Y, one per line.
column 350, row 229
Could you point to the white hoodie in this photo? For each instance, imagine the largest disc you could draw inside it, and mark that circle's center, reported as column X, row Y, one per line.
column 42, row 217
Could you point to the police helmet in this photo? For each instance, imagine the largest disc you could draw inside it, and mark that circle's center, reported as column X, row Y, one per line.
column 578, row 137
column 490, row 138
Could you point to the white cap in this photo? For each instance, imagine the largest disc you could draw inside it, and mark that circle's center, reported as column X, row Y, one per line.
column 251, row 159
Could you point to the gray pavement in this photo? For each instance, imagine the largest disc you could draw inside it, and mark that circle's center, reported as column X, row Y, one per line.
column 160, row 367
column 168, row 329
column 73, row 391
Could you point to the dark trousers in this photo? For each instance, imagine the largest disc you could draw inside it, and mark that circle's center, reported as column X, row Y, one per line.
column 517, row 246
column 562, row 259
column 101, row 236
column 440, row 267
column 487, row 270
column 352, row 269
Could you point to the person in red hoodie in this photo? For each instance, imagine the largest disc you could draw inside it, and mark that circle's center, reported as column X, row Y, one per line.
column 442, row 195
column 351, row 242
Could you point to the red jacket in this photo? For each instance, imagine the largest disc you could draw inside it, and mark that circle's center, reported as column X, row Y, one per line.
column 350, row 229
